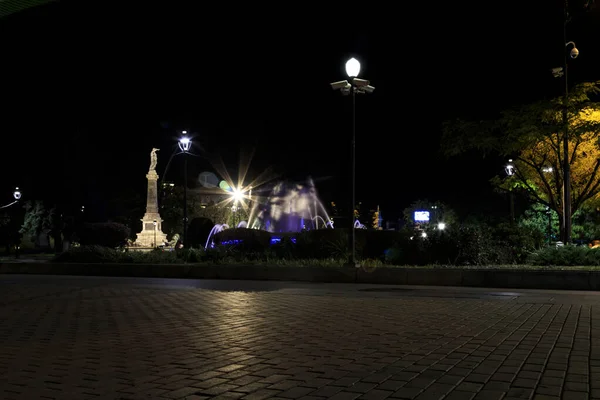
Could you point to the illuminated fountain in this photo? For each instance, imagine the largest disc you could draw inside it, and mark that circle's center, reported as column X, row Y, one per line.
column 358, row 225
column 290, row 207
column 320, row 223
column 216, row 229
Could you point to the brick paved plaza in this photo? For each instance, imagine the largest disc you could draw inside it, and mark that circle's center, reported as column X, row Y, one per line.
column 124, row 338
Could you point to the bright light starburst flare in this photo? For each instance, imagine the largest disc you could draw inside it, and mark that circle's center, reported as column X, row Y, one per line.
column 241, row 194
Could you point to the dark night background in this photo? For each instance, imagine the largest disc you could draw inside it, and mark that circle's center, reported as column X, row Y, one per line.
column 88, row 88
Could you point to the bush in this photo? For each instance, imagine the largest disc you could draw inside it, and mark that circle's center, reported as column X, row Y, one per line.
column 108, row 234
column 411, row 248
column 375, row 244
column 322, row 243
column 462, row 245
column 565, row 256
column 101, row 254
column 515, row 242
column 93, row 254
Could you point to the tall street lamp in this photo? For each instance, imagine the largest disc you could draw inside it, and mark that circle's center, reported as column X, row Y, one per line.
column 510, row 171
column 354, row 87
column 185, row 143
column 563, row 72
column 566, row 165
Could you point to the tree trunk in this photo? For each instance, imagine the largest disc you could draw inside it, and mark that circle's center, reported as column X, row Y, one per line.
column 561, row 226
column 58, row 243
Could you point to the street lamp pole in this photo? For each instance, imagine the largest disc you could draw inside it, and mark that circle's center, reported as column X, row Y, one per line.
column 184, row 145
column 558, row 72
column 566, row 164
column 510, row 171
column 354, row 87
column 154, row 223
column 353, row 239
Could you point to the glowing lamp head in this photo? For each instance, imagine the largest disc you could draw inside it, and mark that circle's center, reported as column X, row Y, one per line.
column 185, row 143
column 154, row 223
column 17, row 194
column 237, row 195
column 574, row 52
column 441, row 226
column 509, row 168
column 352, row 67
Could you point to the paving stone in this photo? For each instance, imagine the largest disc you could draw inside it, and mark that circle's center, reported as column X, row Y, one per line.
column 407, row 393
column 489, row 395
column 295, row 393
column 345, row 396
column 549, row 390
column 261, row 394
column 575, row 395
column 458, row 395
column 392, row 385
column 469, row 387
column 376, row 394
column 327, row 391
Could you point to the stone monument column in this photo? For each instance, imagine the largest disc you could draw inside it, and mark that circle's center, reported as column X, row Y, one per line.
column 152, row 196
column 151, row 234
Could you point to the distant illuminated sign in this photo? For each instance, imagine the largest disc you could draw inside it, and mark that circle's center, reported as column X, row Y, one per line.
column 421, row 216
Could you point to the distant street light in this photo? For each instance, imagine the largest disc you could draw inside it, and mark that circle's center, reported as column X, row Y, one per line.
column 441, row 226
column 355, row 86
column 185, row 143
column 16, row 196
column 237, row 195
column 510, row 171
column 155, row 223
column 509, row 168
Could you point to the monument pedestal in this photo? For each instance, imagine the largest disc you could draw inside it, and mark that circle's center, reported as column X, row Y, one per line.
column 151, row 235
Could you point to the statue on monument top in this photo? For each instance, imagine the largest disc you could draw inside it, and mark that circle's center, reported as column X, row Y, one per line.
column 153, row 159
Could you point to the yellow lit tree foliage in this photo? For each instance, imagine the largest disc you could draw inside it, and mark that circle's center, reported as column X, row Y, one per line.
column 539, row 168
column 375, row 221
column 533, row 137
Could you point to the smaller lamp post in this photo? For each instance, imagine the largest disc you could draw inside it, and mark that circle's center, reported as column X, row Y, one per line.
column 17, row 197
column 510, row 171
column 237, row 195
column 185, row 143
column 155, row 223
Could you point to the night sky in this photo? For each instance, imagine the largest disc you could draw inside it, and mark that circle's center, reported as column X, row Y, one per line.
column 88, row 88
